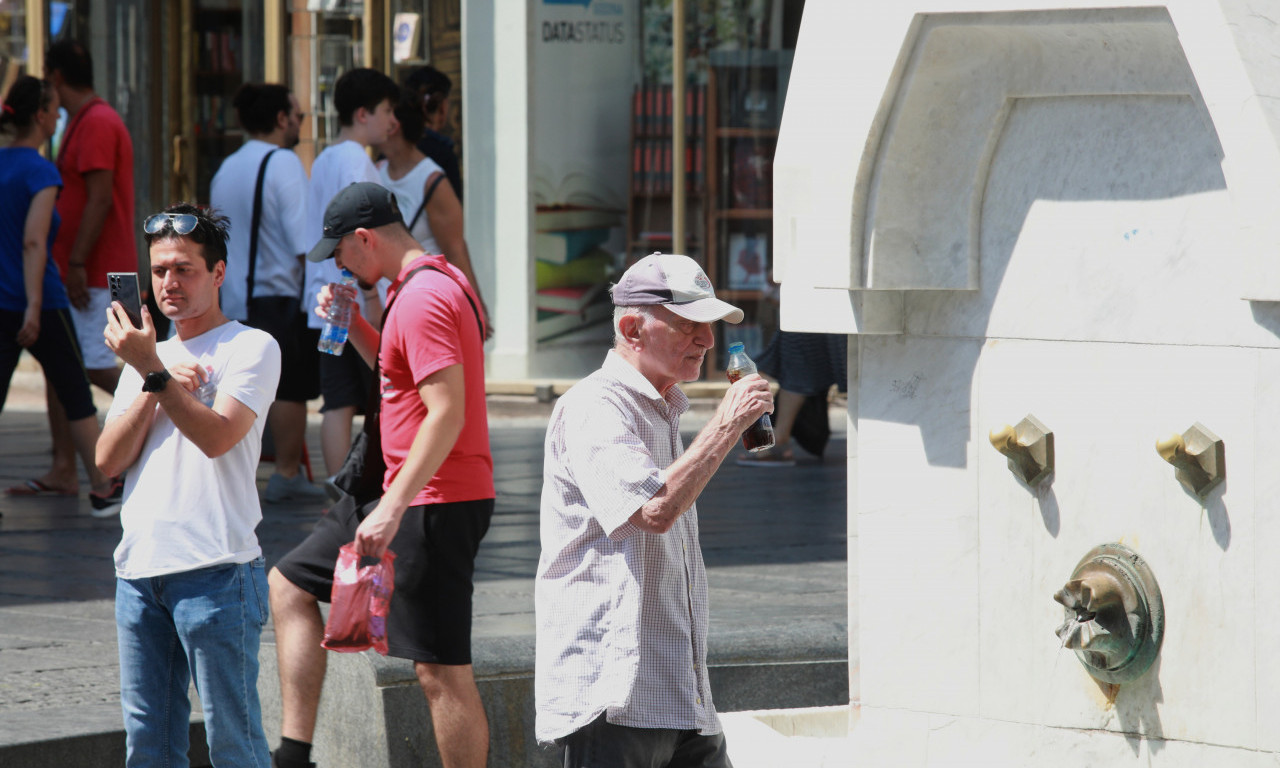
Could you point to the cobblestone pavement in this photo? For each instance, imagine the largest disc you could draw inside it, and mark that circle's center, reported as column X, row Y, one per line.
column 775, row 544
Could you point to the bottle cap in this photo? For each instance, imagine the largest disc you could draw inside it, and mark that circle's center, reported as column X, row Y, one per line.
column 346, row 272
column 735, row 347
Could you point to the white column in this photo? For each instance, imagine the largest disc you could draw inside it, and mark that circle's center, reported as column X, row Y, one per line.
column 499, row 227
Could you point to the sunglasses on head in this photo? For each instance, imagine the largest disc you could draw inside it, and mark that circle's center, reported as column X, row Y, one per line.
column 182, row 223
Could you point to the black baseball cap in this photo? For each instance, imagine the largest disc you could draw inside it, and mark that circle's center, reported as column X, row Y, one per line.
column 363, row 204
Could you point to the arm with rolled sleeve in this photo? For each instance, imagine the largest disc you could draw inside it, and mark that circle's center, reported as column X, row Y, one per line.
column 614, row 470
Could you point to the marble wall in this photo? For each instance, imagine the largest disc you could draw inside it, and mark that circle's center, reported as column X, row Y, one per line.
column 1059, row 211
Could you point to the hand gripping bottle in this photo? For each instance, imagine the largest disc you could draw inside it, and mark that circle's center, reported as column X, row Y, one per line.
column 208, row 391
column 333, row 337
column 759, row 436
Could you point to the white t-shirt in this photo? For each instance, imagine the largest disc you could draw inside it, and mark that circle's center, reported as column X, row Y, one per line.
column 338, row 167
column 282, row 233
column 408, row 191
column 183, row 510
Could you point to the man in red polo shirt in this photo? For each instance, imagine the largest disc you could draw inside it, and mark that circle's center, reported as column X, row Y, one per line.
column 438, row 490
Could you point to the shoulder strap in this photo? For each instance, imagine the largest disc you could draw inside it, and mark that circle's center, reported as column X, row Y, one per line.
column 387, row 310
column 253, row 230
column 426, row 197
column 375, row 399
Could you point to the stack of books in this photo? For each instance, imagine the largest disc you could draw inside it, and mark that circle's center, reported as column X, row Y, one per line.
column 573, row 220
column 572, row 271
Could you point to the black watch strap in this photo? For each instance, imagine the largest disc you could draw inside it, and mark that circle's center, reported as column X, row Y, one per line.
column 156, row 381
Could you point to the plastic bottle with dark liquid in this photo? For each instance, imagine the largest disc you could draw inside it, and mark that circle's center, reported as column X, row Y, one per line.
column 759, row 436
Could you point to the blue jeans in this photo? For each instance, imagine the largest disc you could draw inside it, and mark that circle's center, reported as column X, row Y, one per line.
column 204, row 624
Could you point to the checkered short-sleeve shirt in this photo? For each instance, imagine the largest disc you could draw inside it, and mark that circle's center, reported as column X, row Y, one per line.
column 621, row 613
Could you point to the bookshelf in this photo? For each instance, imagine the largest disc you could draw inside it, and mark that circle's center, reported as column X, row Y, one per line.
column 649, row 213
column 218, row 32
column 745, row 93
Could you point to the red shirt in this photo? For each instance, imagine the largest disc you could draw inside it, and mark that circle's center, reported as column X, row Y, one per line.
column 96, row 140
column 428, row 329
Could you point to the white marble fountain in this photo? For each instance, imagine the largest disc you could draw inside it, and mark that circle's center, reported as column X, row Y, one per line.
column 1068, row 211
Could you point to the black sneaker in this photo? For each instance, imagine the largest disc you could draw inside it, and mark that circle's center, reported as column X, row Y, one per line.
column 109, row 505
column 276, row 762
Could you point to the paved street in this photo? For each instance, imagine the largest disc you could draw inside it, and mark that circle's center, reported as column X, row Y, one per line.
column 775, row 544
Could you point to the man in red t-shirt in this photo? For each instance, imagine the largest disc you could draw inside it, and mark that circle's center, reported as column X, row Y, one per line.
column 95, row 159
column 437, row 491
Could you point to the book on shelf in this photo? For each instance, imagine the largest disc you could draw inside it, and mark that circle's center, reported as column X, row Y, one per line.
column 563, row 217
column 576, row 201
column 571, row 298
column 665, row 185
column 652, row 109
column 637, row 111
column 751, row 174
column 652, row 171
column 748, row 261
column 592, row 266
column 552, row 324
column 666, row 110
column 655, row 236
column 564, row 244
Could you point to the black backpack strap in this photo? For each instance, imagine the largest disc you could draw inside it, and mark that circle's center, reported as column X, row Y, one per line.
column 253, row 231
column 426, row 198
column 375, row 396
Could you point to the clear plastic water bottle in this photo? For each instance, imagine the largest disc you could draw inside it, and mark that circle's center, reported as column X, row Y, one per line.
column 758, row 436
column 207, row 391
column 333, row 337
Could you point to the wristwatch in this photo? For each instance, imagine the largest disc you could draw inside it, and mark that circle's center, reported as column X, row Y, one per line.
column 156, row 381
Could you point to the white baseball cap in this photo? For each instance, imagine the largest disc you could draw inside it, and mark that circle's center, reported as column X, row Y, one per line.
column 676, row 282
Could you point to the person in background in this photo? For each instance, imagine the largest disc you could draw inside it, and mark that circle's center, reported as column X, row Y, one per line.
column 34, row 312
column 187, row 421
column 263, row 184
column 805, row 365
column 365, row 100
column 95, row 159
column 433, row 88
column 437, row 493
column 620, row 594
column 432, row 212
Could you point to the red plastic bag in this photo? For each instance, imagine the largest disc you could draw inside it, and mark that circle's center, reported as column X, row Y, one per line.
column 359, row 603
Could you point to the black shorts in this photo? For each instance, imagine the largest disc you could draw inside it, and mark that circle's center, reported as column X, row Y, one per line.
column 282, row 317
column 345, row 380
column 58, row 351
column 435, row 548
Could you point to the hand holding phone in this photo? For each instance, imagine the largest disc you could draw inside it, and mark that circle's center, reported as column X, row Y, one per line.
column 124, row 289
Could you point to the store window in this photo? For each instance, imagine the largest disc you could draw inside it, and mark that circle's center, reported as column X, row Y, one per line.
column 60, row 19
column 602, row 154
column 326, row 39
column 227, row 38
column 13, row 42
column 429, row 33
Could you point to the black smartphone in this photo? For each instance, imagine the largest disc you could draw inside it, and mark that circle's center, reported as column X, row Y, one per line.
column 124, row 289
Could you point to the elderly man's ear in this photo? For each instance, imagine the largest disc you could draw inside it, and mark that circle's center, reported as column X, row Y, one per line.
column 629, row 326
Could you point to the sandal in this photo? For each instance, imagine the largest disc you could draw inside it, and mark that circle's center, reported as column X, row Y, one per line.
column 34, row 487
column 771, row 457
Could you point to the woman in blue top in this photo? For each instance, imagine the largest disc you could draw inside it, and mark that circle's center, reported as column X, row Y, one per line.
column 33, row 302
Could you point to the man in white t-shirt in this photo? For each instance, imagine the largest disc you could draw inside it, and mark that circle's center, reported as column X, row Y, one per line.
column 262, row 190
column 186, row 422
column 365, row 99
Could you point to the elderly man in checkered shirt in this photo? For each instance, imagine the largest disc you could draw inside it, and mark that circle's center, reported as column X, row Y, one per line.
column 621, row 589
